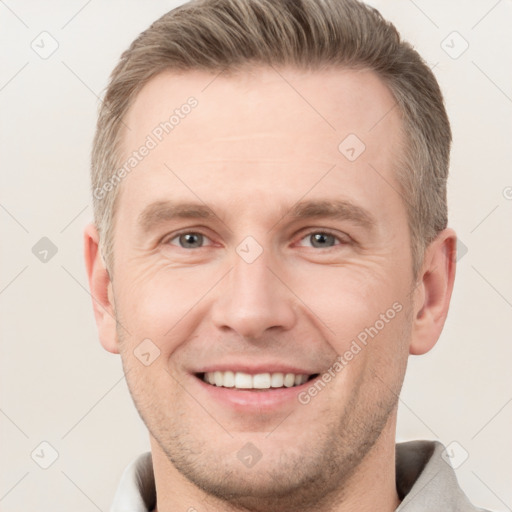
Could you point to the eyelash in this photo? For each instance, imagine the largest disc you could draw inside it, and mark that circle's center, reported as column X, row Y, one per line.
column 329, row 233
column 309, row 233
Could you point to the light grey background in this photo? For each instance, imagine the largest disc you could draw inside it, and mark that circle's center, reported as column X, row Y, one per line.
column 58, row 385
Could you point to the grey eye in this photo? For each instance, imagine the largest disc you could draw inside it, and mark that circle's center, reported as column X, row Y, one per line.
column 322, row 240
column 190, row 240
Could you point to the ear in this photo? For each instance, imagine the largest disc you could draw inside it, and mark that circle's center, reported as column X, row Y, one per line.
column 101, row 290
column 433, row 292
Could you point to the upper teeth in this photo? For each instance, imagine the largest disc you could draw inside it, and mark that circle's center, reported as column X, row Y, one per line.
column 242, row 380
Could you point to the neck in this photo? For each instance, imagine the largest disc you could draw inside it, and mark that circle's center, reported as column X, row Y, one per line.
column 372, row 485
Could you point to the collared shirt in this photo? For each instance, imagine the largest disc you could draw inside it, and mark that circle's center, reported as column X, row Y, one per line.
column 425, row 482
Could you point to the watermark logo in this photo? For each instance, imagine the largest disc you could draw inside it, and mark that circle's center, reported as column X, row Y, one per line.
column 351, row 147
column 44, row 250
column 249, row 455
column 44, row 455
column 462, row 249
column 454, row 45
column 357, row 345
column 146, row 352
column 45, row 45
column 455, row 455
column 152, row 140
column 249, row 249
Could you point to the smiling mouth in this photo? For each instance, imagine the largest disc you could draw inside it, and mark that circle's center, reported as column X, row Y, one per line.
column 255, row 382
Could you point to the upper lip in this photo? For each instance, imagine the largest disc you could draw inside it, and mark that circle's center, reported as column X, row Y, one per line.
column 253, row 369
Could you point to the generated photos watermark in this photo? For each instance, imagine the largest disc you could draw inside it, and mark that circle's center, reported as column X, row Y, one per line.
column 157, row 135
column 356, row 346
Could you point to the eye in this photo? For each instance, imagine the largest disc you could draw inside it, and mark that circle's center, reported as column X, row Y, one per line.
column 188, row 240
column 316, row 239
column 321, row 239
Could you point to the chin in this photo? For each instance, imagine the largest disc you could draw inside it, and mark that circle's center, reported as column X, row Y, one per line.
column 264, row 486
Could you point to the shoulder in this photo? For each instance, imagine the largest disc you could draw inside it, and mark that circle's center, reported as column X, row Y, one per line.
column 426, row 480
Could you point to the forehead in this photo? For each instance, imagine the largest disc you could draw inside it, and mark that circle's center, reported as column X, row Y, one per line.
column 261, row 130
column 264, row 103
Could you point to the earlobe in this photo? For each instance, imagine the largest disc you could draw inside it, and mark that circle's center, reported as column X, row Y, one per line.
column 100, row 286
column 433, row 292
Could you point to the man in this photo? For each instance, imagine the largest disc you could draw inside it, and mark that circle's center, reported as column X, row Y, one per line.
column 270, row 244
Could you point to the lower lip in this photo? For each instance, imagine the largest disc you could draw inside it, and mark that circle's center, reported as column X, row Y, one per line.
column 245, row 400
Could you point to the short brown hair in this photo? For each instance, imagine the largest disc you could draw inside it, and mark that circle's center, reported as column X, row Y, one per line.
column 229, row 35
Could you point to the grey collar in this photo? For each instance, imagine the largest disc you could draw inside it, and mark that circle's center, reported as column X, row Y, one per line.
column 425, row 481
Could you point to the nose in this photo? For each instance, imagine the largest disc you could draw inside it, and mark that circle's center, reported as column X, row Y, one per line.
column 253, row 299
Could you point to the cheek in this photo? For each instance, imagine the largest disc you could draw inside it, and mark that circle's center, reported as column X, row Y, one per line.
column 362, row 315
column 355, row 301
column 155, row 301
column 374, row 360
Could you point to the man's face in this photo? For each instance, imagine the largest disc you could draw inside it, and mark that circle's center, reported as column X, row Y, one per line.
column 266, row 284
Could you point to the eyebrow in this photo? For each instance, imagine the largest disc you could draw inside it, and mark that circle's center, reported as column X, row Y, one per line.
column 164, row 211
column 334, row 209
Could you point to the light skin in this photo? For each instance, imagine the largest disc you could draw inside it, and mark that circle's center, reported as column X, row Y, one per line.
column 251, row 150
